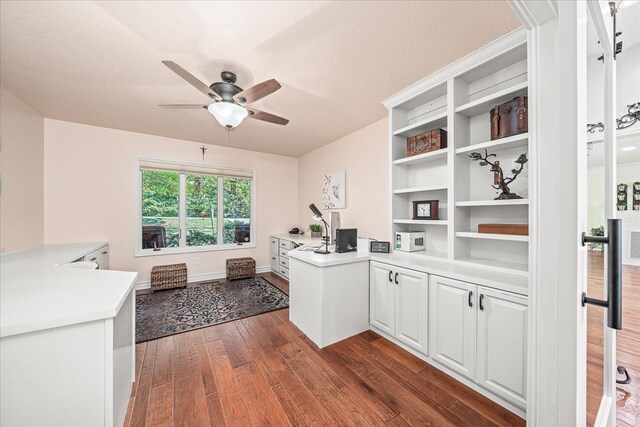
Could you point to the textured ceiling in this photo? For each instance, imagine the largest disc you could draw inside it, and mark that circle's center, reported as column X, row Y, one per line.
column 99, row 62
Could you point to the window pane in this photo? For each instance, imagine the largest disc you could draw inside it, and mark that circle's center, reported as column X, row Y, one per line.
column 160, row 209
column 202, row 210
column 237, row 210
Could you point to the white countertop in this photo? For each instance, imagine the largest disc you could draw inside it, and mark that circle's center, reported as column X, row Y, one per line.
column 304, row 239
column 37, row 294
column 327, row 260
column 479, row 276
column 502, row 281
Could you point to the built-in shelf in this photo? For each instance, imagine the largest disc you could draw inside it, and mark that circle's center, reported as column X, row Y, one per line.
column 489, row 236
column 420, row 158
column 513, row 202
column 423, row 254
column 434, row 122
column 419, row 189
column 621, row 133
column 486, row 103
column 498, row 144
column 517, row 268
column 421, row 221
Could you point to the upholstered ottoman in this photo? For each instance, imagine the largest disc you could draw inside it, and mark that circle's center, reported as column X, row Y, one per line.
column 168, row 276
column 241, row 268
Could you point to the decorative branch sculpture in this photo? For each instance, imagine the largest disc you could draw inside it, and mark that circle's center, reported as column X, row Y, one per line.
column 503, row 183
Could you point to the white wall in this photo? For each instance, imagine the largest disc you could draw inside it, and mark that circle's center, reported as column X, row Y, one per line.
column 90, row 188
column 365, row 158
column 21, row 174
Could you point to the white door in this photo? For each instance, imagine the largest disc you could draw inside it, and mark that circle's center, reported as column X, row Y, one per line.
column 382, row 295
column 452, row 324
column 601, row 18
column 502, row 344
column 412, row 290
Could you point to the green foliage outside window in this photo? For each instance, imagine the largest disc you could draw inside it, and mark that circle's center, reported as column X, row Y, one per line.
column 161, row 206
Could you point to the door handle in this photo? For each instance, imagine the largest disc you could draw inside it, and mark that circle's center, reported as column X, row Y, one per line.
column 613, row 303
column 470, row 303
column 390, row 273
column 480, row 302
column 396, row 278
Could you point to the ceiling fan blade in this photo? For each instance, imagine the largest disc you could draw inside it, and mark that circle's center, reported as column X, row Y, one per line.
column 183, row 106
column 193, row 81
column 257, row 92
column 266, row 117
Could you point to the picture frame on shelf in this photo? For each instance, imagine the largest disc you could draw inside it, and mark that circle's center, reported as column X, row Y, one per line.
column 425, row 209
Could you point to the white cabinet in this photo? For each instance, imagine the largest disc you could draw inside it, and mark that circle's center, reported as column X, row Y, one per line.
column 480, row 333
column 453, row 325
column 100, row 257
column 399, row 303
column 382, row 297
column 502, row 344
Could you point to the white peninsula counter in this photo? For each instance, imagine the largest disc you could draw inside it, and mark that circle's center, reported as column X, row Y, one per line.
column 329, row 294
column 67, row 341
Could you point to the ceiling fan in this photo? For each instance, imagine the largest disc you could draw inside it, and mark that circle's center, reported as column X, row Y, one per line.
column 229, row 100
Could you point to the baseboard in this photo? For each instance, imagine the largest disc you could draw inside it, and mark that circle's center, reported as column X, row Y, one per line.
column 146, row 284
column 635, row 262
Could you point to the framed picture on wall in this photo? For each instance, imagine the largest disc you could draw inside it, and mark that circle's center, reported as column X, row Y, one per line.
column 334, row 193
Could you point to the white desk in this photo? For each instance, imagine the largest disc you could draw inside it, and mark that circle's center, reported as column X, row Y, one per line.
column 67, row 350
column 329, row 294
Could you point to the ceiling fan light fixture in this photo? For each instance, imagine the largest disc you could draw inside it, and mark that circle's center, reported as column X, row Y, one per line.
column 228, row 114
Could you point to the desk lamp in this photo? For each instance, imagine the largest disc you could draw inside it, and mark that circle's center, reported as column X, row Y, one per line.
column 317, row 215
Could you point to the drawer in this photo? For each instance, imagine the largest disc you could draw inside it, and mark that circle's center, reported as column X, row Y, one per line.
column 286, row 244
column 274, row 244
column 284, row 271
column 284, row 262
column 273, row 262
column 284, row 253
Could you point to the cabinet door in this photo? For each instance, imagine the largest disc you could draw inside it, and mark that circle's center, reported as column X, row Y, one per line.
column 502, row 345
column 382, row 298
column 103, row 258
column 274, row 245
column 452, row 324
column 412, row 291
column 274, row 262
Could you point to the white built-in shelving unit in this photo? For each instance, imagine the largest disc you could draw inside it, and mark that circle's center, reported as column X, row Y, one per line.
column 459, row 99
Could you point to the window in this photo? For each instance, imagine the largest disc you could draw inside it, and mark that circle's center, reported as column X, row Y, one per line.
column 186, row 207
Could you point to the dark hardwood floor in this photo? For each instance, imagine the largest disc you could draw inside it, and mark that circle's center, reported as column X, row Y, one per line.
column 263, row 371
column 628, row 343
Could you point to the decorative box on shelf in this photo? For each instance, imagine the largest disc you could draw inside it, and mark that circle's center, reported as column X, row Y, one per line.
column 510, row 118
column 426, row 142
column 515, row 229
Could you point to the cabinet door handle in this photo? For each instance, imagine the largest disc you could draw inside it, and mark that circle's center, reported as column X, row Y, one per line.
column 390, row 279
column 396, row 278
column 470, row 295
column 104, row 253
column 480, row 302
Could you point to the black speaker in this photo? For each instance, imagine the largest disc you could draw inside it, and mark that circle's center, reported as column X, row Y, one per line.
column 346, row 240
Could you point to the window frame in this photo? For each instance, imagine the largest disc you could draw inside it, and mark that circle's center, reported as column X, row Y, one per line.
column 193, row 168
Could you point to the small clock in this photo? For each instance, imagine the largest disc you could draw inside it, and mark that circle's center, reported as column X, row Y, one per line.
column 425, row 209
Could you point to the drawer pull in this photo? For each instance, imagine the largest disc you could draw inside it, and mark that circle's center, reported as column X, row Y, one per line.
column 104, row 253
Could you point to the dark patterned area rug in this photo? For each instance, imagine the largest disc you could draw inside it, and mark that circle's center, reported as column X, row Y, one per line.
column 204, row 304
